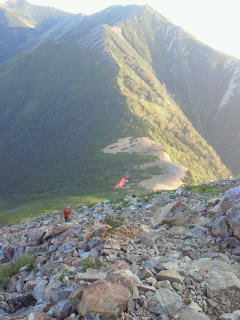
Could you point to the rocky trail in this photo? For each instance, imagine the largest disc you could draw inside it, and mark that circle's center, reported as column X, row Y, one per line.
column 174, row 255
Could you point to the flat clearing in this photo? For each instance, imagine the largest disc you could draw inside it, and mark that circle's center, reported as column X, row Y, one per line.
column 172, row 176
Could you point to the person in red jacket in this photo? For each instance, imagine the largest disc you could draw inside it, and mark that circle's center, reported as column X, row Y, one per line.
column 66, row 213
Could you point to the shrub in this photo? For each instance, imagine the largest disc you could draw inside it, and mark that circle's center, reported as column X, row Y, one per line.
column 114, row 222
column 201, row 188
column 7, row 271
column 88, row 263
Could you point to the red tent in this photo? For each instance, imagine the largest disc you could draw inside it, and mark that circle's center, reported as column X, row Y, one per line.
column 121, row 183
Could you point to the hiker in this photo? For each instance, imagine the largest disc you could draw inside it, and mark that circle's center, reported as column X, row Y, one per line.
column 66, row 214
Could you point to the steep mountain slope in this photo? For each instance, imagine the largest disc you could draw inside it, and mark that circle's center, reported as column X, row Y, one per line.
column 63, row 102
column 21, row 21
column 202, row 81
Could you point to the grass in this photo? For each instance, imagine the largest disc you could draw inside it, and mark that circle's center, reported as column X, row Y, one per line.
column 114, row 222
column 203, row 188
column 88, row 263
column 15, row 210
column 7, row 271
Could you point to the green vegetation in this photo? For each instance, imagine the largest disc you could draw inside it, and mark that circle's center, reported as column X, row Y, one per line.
column 204, row 188
column 89, row 263
column 66, row 272
column 147, row 196
column 155, row 170
column 153, row 111
column 114, row 222
column 19, row 208
column 7, row 271
column 62, row 103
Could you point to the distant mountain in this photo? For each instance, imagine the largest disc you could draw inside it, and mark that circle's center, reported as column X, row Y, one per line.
column 123, row 72
column 21, row 21
column 203, row 82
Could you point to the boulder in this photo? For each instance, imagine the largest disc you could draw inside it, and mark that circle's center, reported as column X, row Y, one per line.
column 230, row 316
column 236, row 251
column 190, row 314
column 165, row 302
column 228, row 202
column 233, row 215
column 233, row 242
column 222, row 281
column 35, row 236
column 11, row 303
column 57, row 295
column 68, row 247
column 91, row 275
column 148, row 239
column 63, row 309
column 7, row 253
column 232, row 191
column 206, row 265
column 38, row 290
column 176, row 213
column 170, row 275
column 107, row 297
column 56, row 230
column 220, row 227
column 53, row 285
column 38, row 316
column 76, row 295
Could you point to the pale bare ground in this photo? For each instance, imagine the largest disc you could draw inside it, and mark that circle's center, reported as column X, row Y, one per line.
column 173, row 174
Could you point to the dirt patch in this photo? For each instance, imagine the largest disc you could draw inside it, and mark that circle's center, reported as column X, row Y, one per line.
column 173, row 174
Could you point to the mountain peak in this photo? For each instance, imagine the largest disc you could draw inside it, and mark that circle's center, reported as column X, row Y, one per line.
column 16, row 3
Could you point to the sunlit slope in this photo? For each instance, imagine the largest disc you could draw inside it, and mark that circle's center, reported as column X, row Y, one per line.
column 156, row 113
column 65, row 101
column 204, row 82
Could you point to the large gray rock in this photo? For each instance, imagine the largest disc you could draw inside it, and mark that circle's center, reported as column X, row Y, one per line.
column 232, row 191
column 220, row 227
column 233, row 242
column 57, row 295
column 165, row 302
column 91, row 275
column 63, row 309
column 38, row 290
column 67, row 247
column 108, row 297
column 18, row 252
column 236, row 251
column 170, row 275
column 56, row 230
column 176, row 213
column 11, row 303
column 7, row 253
column 38, row 315
column 230, row 316
column 222, row 281
column 228, row 202
column 206, row 265
column 190, row 314
column 234, row 220
column 53, row 286
column 35, row 236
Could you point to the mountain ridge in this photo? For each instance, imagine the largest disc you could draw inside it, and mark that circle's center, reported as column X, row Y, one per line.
column 21, row 22
column 113, row 80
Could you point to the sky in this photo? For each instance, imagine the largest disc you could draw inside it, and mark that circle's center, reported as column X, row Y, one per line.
column 214, row 22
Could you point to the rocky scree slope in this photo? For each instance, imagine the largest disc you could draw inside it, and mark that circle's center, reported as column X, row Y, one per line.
column 174, row 255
